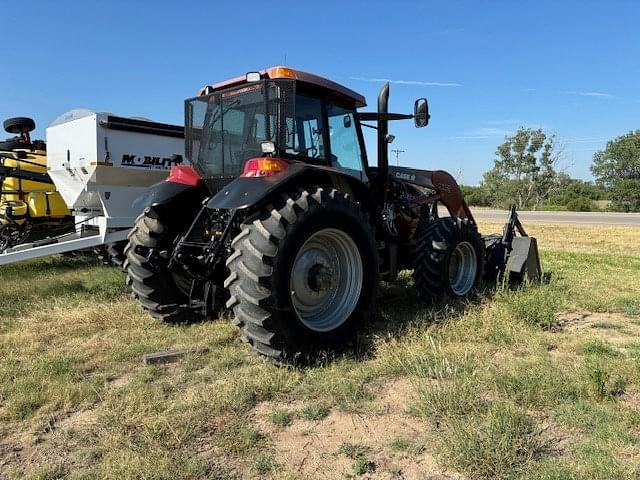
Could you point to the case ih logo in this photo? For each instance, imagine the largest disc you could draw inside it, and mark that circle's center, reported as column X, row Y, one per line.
column 406, row 176
column 147, row 161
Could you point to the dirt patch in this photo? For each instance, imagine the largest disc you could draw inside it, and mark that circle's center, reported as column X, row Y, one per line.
column 79, row 420
column 121, row 381
column 50, row 443
column 312, row 448
column 12, row 453
column 561, row 438
column 613, row 327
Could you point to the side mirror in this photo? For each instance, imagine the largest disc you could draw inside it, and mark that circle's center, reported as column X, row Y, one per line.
column 421, row 113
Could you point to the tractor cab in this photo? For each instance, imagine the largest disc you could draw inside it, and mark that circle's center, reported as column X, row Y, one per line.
column 259, row 124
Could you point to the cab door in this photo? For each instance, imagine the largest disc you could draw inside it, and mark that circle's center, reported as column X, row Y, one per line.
column 345, row 141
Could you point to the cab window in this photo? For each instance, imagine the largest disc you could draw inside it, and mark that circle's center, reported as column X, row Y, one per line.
column 345, row 144
column 306, row 138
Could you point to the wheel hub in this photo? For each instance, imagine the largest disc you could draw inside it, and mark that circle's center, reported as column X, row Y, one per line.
column 326, row 279
column 463, row 268
column 321, row 278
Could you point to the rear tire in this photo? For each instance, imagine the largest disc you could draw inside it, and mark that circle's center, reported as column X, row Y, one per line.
column 303, row 275
column 163, row 293
column 449, row 258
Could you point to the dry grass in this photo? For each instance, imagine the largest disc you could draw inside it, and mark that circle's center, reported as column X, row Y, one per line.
column 541, row 382
column 596, row 239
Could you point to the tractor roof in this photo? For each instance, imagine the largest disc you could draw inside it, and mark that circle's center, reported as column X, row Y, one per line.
column 298, row 75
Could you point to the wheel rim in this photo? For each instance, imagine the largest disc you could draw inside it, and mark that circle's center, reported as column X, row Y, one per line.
column 463, row 268
column 326, row 280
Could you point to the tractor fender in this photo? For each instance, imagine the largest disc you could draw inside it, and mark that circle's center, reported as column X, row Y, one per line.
column 169, row 193
column 245, row 192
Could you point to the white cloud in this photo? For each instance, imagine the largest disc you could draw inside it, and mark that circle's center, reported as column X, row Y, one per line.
column 408, row 82
column 592, row 94
column 488, row 132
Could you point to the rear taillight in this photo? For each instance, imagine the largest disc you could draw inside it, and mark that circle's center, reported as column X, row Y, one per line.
column 264, row 167
column 184, row 175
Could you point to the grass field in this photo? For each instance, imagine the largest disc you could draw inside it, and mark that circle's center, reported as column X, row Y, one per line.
column 537, row 383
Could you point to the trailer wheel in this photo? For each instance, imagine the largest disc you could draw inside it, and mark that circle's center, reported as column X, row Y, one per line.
column 162, row 292
column 303, row 275
column 449, row 258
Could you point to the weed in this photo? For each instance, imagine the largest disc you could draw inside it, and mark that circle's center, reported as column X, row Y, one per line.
column 314, row 411
column 358, row 453
column 598, row 378
column 406, row 444
column 533, row 305
column 265, row 463
column 450, row 394
column 600, row 347
column 239, row 439
column 629, row 306
column 607, row 422
column 353, row 450
column 362, row 466
column 606, row 326
column 599, row 462
column 49, row 472
column 495, row 445
column 537, row 383
column 550, row 469
column 281, row 417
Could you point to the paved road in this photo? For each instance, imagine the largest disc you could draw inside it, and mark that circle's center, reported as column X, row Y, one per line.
column 579, row 218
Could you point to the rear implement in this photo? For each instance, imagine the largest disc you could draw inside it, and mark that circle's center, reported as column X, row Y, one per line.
column 30, row 206
column 100, row 163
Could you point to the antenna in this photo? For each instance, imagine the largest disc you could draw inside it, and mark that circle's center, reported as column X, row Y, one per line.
column 397, row 152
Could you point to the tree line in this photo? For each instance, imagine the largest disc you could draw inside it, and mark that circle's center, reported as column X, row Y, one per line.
column 527, row 171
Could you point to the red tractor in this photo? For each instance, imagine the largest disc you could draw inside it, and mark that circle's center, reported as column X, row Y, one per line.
column 283, row 219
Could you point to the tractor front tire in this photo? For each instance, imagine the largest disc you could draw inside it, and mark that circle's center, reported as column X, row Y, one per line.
column 162, row 292
column 303, row 275
column 449, row 259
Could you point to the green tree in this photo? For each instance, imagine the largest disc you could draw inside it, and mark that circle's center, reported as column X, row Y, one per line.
column 618, row 167
column 476, row 196
column 576, row 195
column 525, row 169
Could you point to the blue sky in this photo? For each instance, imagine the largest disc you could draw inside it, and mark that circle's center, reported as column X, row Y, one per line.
column 486, row 67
